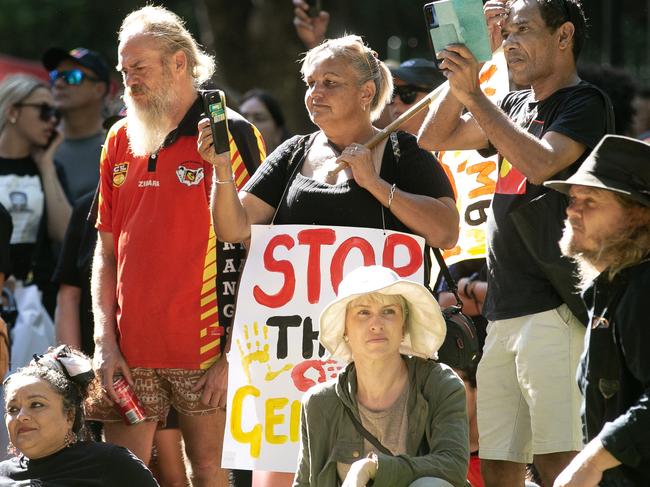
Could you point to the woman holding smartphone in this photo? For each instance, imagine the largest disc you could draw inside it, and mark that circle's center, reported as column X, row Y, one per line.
column 29, row 186
column 396, row 185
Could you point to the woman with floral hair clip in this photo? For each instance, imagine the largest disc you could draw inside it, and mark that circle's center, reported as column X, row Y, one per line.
column 44, row 418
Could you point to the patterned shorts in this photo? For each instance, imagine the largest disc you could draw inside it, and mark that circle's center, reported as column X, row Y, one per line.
column 157, row 389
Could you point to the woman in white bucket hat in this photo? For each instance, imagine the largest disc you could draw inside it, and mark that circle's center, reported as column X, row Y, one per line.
column 392, row 415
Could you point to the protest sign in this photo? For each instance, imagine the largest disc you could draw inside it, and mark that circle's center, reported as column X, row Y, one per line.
column 474, row 176
column 292, row 272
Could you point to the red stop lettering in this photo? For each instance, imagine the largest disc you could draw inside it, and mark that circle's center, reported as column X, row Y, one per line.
column 284, row 295
column 315, row 238
column 395, row 240
column 341, row 254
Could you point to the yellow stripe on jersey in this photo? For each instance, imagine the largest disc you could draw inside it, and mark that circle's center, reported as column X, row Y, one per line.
column 261, row 146
column 210, row 344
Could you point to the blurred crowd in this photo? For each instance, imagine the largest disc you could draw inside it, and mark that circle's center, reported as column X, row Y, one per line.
column 122, row 232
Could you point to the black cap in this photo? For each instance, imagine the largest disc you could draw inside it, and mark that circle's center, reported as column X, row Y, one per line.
column 80, row 55
column 419, row 72
column 618, row 164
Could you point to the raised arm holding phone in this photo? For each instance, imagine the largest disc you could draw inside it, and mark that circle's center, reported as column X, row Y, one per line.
column 540, row 132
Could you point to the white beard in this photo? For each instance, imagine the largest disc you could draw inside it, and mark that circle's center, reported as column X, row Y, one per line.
column 147, row 126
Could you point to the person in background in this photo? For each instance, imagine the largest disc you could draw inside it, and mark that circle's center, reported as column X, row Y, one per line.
column 310, row 30
column 607, row 231
column 528, row 402
column 412, row 81
column 392, row 416
column 262, row 110
column 30, row 188
column 44, row 416
column 80, row 82
column 621, row 88
column 641, row 124
column 6, row 229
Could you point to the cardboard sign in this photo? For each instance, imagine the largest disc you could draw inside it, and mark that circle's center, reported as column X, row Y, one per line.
column 292, row 272
column 473, row 176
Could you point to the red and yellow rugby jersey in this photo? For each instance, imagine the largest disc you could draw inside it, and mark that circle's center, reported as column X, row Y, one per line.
column 175, row 282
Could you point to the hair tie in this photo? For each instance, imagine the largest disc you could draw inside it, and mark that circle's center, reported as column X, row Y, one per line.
column 74, row 365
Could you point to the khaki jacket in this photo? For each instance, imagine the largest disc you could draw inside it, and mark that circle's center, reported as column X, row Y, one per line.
column 437, row 436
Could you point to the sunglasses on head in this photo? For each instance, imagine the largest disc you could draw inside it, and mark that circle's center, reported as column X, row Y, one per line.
column 72, row 77
column 46, row 111
column 408, row 93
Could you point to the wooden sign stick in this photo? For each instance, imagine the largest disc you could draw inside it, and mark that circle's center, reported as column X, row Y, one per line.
column 395, row 124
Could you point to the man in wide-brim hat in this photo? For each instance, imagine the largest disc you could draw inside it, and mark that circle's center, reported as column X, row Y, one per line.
column 607, row 231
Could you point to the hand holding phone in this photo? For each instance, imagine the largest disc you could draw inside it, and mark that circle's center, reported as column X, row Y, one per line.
column 314, row 8
column 214, row 104
column 310, row 21
column 458, row 22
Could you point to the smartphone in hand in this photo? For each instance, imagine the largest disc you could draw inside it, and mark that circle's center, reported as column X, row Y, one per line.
column 448, row 24
column 314, row 8
column 214, row 104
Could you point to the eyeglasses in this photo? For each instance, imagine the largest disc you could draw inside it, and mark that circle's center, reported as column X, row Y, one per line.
column 408, row 93
column 46, row 111
column 71, row 77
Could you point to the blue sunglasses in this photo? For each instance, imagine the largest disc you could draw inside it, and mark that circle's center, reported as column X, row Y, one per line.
column 72, row 77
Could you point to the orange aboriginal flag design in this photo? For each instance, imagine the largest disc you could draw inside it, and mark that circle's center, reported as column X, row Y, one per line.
column 210, row 332
column 511, row 180
column 239, row 170
column 119, row 173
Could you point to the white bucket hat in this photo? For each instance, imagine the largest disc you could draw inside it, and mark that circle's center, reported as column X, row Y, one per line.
column 425, row 326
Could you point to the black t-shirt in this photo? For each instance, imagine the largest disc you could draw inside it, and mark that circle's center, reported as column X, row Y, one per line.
column 516, row 284
column 6, row 227
column 310, row 202
column 74, row 263
column 84, row 464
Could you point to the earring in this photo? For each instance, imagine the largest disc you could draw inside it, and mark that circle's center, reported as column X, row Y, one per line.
column 346, row 339
column 12, row 450
column 12, row 121
column 70, row 438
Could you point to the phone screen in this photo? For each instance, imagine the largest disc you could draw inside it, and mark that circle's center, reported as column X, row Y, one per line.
column 214, row 104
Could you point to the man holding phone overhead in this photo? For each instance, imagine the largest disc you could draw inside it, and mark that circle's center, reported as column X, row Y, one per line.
column 528, row 403
column 163, row 286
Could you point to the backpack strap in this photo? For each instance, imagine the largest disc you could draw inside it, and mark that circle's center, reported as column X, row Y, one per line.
column 453, row 287
column 367, row 434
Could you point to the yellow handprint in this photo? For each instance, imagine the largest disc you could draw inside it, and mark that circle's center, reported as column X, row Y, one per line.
column 257, row 350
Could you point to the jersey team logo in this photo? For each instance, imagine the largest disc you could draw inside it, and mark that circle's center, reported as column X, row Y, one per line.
column 188, row 176
column 119, row 173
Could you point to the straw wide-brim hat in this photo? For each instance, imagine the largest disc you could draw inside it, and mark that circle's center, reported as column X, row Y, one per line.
column 425, row 326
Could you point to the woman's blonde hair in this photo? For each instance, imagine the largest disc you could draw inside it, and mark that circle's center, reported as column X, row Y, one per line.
column 15, row 89
column 365, row 63
column 169, row 28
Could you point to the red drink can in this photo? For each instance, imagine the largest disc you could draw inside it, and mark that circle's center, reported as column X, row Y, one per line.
column 128, row 405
